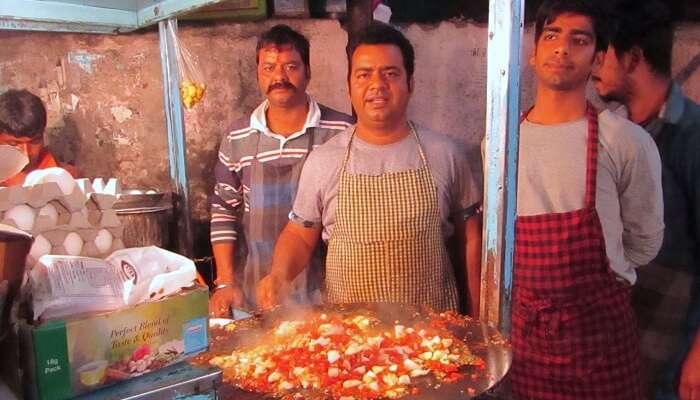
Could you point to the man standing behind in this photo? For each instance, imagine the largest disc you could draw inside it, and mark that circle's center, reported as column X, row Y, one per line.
column 260, row 160
column 636, row 72
column 384, row 194
column 590, row 211
column 22, row 124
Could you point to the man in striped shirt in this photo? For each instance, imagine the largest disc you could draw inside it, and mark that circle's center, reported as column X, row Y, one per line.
column 260, row 159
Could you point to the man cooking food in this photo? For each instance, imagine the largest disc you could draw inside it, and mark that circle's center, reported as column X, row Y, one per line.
column 22, row 124
column 636, row 72
column 589, row 212
column 384, row 195
column 260, row 160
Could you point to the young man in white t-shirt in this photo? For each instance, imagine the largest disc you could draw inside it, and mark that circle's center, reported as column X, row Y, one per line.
column 589, row 211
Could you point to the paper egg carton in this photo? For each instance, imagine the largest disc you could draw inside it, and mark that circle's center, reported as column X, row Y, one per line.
column 60, row 218
column 11, row 196
column 101, row 194
column 58, row 236
column 39, row 195
column 91, row 250
column 101, row 201
column 97, row 195
column 103, row 219
column 51, row 215
column 88, row 242
column 43, row 207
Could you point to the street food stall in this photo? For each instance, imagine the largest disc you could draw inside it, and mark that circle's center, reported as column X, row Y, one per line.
column 468, row 357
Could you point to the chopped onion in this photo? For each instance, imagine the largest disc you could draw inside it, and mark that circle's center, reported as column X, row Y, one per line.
column 333, row 356
column 274, row 377
column 351, row 383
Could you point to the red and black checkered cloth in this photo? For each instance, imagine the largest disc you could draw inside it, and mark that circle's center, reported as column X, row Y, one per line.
column 574, row 333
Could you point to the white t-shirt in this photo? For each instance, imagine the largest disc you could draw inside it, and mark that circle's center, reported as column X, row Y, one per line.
column 316, row 198
column 629, row 199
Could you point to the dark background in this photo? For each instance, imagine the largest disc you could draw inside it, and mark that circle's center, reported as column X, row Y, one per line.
column 427, row 11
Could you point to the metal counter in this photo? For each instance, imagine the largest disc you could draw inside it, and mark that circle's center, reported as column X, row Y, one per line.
column 179, row 381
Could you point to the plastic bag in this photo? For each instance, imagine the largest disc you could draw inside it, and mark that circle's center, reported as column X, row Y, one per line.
column 192, row 86
column 67, row 285
column 154, row 272
column 63, row 285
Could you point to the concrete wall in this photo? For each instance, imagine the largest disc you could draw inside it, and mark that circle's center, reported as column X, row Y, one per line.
column 104, row 93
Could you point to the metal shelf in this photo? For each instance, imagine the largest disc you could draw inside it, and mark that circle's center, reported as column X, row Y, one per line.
column 93, row 16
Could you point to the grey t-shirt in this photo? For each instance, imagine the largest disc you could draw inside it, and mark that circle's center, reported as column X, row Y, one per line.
column 316, row 197
column 629, row 201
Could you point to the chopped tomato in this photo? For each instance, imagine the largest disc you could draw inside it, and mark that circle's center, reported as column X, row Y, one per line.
column 349, row 357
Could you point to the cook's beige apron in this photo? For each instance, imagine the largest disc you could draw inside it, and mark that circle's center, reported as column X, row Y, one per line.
column 387, row 243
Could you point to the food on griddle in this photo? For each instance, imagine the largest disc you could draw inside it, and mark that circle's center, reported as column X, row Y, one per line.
column 347, row 357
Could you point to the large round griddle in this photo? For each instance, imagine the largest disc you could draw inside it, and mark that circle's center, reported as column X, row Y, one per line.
column 482, row 339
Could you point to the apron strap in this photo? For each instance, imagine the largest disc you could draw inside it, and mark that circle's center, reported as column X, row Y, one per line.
column 591, row 153
column 591, row 156
column 347, row 151
column 413, row 130
column 423, row 157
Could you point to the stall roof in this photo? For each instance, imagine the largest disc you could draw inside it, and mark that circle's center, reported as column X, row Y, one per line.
column 92, row 16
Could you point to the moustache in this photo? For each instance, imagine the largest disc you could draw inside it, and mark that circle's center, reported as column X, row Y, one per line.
column 281, row 85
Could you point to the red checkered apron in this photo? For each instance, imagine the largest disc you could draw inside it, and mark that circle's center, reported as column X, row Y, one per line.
column 574, row 333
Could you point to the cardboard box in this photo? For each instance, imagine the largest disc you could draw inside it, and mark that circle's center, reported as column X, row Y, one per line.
column 14, row 247
column 101, row 201
column 11, row 196
column 80, row 354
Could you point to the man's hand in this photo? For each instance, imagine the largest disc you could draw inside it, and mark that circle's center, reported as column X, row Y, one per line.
column 689, row 387
column 223, row 299
column 293, row 250
column 270, row 291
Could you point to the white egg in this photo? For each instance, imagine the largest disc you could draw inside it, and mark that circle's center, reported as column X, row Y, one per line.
column 59, row 175
column 40, row 247
column 73, row 244
column 22, row 215
column 50, row 212
column 103, row 241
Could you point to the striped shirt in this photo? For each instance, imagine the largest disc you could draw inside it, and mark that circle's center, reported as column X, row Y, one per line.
column 250, row 139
